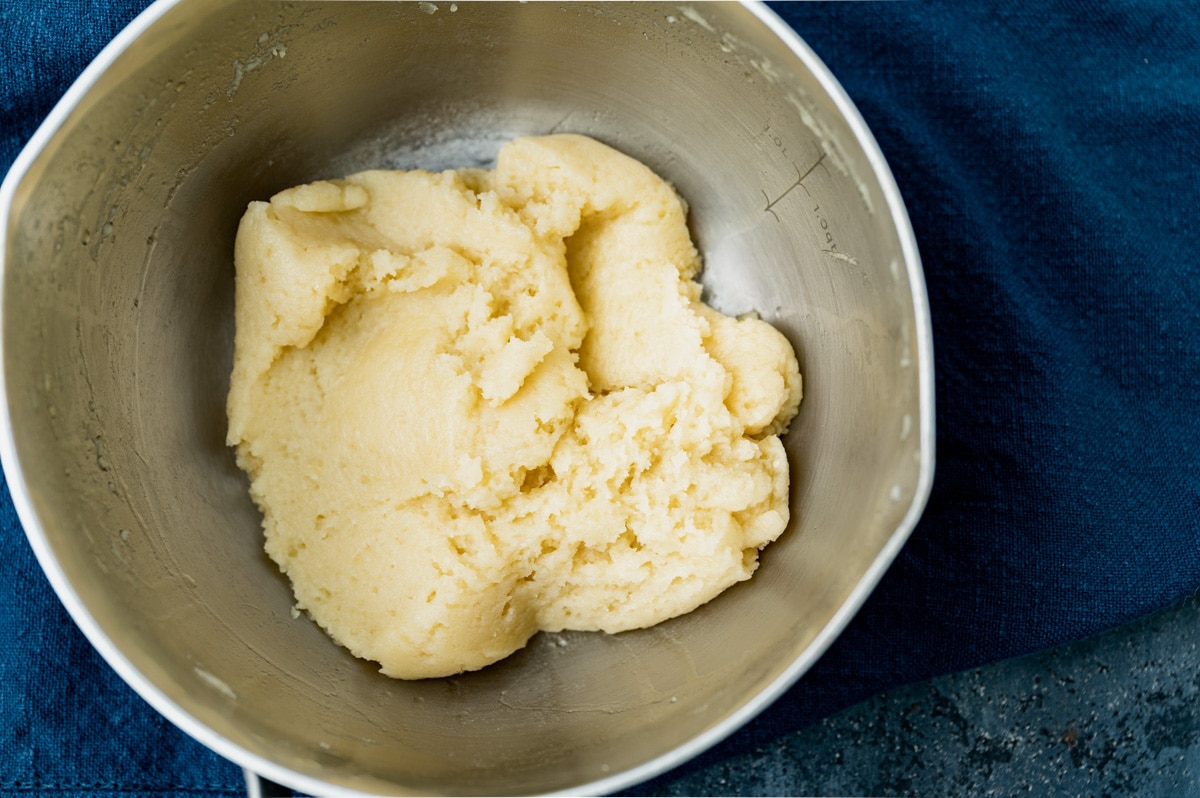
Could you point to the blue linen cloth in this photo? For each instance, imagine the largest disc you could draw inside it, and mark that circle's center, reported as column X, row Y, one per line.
column 1048, row 156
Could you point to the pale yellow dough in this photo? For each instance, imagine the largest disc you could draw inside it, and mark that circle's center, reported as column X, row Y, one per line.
column 477, row 404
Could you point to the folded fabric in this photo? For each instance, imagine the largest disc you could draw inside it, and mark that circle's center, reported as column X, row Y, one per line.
column 1047, row 154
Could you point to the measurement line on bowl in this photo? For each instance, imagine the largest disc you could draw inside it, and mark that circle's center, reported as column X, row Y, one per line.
column 771, row 203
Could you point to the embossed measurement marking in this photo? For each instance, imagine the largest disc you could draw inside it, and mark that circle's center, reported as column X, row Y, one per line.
column 771, row 203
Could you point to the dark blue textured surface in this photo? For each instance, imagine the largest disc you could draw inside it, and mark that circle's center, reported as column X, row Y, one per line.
column 1048, row 157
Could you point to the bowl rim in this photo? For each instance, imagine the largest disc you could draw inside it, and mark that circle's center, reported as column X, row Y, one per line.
column 922, row 341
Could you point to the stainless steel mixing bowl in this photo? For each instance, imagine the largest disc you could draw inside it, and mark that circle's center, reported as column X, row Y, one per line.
column 118, row 224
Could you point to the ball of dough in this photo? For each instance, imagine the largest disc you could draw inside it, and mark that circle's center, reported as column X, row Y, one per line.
column 481, row 403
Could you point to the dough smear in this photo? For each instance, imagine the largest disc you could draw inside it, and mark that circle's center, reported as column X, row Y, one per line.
column 477, row 404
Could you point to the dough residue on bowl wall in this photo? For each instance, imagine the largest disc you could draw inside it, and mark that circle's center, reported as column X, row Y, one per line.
column 477, row 404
